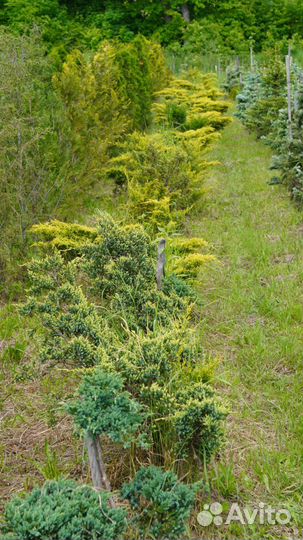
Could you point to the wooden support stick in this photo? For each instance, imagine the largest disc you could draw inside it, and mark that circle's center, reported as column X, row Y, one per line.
column 288, row 75
column 252, row 61
column 161, row 263
column 185, row 12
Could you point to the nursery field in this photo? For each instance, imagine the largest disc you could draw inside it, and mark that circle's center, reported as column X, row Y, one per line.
column 151, row 278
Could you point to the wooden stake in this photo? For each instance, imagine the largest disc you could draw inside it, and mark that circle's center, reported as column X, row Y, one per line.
column 252, row 61
column 161, row 263
column 219, row 67
column 185, row 12
column 288, row 76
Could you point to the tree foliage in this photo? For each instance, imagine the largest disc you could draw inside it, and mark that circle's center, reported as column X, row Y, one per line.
column 262, row 107
column 164, row 172
column 260, row 117
column 104, row 408
column 288, row 158
column 63, row 510
column 60, row 129
column 30, row 149
column 103, row 310
column 162, row 504
column 210, row 25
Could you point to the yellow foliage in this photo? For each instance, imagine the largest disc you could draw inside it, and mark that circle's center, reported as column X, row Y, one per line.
column 185, row 257
column 196, row 140
column 69, row 238
column 200, row 372
column 155, row 212
column 188, row 245
column 190, row 265
column 204, row 104
column 210, row 118
column 188, row 106
column 159, row 111
column 163, row 174
column 205, row 135
column 198, row 95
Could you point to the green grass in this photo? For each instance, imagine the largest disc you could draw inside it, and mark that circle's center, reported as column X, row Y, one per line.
column 253, row 320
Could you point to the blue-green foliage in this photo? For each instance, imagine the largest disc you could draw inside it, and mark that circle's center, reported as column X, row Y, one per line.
column 262, row 107
column 249, row 94
column 179, row 286
column 124, row 256
column 161, row 503
column 152, row 358
column 264, row 111
column 120, row 269
column 64, row 510
column 289, row 152
column 103, row 407
column 160, row 369
column 265, row 96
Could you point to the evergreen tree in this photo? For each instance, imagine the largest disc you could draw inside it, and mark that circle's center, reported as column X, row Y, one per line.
column 289, row 158
column 249, row 95
column 260, row 117
column 31, row 146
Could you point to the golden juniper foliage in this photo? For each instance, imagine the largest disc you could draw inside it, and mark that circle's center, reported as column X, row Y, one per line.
column 68, row 238
column 188, row 245
column 141, row 334
column 161, row 179
column 198, row 98
column 106, row 97
column 164, row 171
column 188, row 258
column 190, row 265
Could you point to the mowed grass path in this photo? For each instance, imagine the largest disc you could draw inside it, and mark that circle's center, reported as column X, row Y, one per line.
column 252, row 320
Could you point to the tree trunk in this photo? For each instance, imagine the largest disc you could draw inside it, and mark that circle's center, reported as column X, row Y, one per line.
column 186, row 12
column 97, row 467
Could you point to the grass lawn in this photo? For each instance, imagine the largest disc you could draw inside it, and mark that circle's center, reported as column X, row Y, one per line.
column 253, row 318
